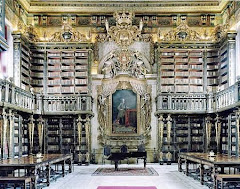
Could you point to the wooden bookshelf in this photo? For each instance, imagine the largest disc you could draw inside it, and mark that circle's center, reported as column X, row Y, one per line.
column 22, row 59
column 181, row 71
column 37, row 68
column 223, row 66
column 212, row 63
column 58, row 70
column 187, row 135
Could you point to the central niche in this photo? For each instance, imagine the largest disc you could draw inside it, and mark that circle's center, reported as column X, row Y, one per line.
column 124, row 112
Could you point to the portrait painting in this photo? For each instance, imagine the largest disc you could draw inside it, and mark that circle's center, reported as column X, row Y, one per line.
column 124, row 112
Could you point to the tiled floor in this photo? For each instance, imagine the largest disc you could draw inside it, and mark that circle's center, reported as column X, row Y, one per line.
column 169, row 178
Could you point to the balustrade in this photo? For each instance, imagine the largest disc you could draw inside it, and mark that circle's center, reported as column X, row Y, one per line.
column 228, row 96
column 10, row 95
column 181, row 102
column 199, row 102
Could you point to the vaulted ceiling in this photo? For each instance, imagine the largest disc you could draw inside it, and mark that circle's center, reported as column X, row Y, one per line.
column 138, row 6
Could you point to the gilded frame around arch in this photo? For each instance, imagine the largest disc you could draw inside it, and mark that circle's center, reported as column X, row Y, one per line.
column 104, row 105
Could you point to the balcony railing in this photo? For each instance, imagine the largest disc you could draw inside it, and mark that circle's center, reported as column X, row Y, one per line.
column 67, row 103
column 181, row 102
column 228, row 97
column 194, row 103
column 17, row 98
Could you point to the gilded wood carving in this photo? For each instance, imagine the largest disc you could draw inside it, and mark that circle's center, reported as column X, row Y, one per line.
column 112, row 125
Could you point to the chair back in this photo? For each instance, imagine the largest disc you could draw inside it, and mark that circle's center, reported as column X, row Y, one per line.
column 106, row 150
column 124, row 149
column 141, row 148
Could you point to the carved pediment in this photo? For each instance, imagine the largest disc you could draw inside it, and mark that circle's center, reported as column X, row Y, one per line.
column 124, row 33
column 68, row 34
column 126, row 62
column 182, row 33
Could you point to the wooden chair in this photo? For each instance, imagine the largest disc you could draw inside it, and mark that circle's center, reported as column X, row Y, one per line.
column 124, row 149
column 106, row 153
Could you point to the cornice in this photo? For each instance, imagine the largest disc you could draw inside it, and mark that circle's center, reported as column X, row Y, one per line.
column 25, row 4
column 103, row 6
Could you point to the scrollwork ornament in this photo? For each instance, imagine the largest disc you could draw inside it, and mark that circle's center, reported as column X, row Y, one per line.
column 146, row 109
column 102, row 111
column 68, row 34
column 104, row 98
column 125, row 61
column 182, row 33
column 124, row 33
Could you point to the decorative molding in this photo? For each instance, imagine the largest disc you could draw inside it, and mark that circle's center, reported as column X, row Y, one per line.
column 104, row 107
column 124, row 33
column 68, row 34
column 184, row 33
column 124, row 61
column 108, row 6
column 219, row 32
column 28, row 31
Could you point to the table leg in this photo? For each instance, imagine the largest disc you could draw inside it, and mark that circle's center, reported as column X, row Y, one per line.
column 35, row 179
column 179, row 164
column 145, row 162
column 187, row 167
column 216, row 184
column 214, row 176
column 201, row 174
column 222, row 170
column 48, row 174
column 63, row 168
column 221, row 185
column 116, row 165
column 70, row 166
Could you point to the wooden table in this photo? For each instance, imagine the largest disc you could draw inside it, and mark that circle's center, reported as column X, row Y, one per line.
column 226, row 178
column 17, row 180
column 32, row 164
column 219, row 161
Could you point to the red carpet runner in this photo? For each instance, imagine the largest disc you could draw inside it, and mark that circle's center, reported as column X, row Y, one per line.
column 126, row 187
